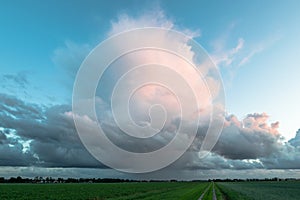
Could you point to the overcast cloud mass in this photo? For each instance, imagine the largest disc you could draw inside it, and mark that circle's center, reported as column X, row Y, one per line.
column 46, row 137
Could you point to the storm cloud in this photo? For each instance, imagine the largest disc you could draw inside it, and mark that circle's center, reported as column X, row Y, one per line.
column 32, row 135
column 41, row 136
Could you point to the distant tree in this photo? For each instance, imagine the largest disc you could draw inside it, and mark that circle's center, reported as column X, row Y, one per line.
column 19, row 179
column 2, row 179
column 60, row 180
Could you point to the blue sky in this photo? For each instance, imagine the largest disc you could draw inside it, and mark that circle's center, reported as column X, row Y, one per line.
column 32, row 30
column 254, row 43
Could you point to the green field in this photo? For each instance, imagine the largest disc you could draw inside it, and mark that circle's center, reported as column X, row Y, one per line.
column 289, row 190
column 107, row 191
column 154, row 190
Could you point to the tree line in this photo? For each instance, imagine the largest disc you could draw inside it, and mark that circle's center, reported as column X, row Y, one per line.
column 39, row 179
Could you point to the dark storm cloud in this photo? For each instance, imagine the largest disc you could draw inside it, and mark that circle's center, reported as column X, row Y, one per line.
column 255, row 143
column 251, row 143
column 51, row 135
column 14, row 156
column 240, row 143
column 12, row 107
column 12, row 152
column 52, row 141
column 296, row 140
column 191, row 161
column 2, row 137
column 251, row 139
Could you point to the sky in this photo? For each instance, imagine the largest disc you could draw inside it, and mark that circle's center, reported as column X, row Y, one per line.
column 254, row 44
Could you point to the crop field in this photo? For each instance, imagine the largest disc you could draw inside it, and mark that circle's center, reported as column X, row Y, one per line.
column 109, row 191
column 260, row 190
column 154, row 190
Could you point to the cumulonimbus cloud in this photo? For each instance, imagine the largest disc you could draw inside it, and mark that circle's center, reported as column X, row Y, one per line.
column 51, row 139
column 53, row 142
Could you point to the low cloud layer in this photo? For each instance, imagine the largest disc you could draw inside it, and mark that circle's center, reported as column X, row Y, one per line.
column 39, row 136
column 31, row 135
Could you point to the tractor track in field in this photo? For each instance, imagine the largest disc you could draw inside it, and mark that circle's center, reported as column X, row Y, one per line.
column 214, row 197
column 214, row 192
column 202, row 195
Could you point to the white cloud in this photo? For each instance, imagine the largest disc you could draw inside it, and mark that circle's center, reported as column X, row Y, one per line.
column 152, row 18
column 258, row 48
column 247, row 58
column 225, row 57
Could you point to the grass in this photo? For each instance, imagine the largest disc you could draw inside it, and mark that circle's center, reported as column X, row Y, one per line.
column 219, row 194
column 230, row 193
column 101, row 191
column 261, row 190
column 152, row 191
column 208, row 195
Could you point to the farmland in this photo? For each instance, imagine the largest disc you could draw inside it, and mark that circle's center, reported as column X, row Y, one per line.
column 109, row 191
column 260, row 190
